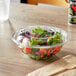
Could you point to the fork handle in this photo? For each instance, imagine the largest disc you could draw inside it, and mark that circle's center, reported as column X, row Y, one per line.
column 57, row 71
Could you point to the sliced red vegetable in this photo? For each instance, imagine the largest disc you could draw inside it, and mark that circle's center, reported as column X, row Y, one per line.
column 73, row 7
column 48, row 53
column 42, row 51
column 28, row 50
column 56, row 49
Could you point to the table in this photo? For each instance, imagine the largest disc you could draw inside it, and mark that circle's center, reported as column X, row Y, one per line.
column 12, row 61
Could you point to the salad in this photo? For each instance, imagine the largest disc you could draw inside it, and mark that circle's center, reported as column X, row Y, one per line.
column 31, row 41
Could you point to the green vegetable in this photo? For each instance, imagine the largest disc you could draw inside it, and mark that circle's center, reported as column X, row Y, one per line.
column 40, row 41
column 50, row 41
column 32, row 56
column 57, row 38
column 35, row 49
column 74, row 19
column 40, row 31
column 35, row 42
column 70, row 11
column 38, row 57
column 58, row 34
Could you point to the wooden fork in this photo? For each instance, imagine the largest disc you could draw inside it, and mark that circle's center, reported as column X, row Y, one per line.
column 71, row 64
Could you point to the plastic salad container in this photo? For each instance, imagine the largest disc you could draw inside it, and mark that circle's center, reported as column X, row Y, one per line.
column 40, row 42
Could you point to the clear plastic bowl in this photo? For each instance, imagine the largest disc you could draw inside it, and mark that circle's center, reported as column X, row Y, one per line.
column 35, row 51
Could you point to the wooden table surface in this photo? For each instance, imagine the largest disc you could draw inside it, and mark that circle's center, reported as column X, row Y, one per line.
column 12, row 61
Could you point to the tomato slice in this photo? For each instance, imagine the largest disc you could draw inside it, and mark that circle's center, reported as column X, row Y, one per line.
column 42, row 51
column 27, row 50
column 56, row 49
column 48, row 53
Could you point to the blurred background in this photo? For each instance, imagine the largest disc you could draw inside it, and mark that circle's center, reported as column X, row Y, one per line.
column 36, row 2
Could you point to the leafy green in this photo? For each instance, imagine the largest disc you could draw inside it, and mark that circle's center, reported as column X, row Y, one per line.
column 40, row 31
column 57, row 38
column 50, row 41
column 40, row 41
column 35, row 42
column 58, row 34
